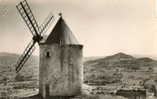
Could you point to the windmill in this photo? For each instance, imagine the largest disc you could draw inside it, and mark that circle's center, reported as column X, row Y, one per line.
column 60, row 62
column 37, row 32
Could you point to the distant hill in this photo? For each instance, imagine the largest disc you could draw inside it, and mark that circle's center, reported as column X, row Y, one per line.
column 91, row 58
column 107, row 66
column 120, row 60
column 7, row 68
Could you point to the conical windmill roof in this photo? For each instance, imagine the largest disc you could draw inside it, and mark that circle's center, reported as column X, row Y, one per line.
column 58, row 32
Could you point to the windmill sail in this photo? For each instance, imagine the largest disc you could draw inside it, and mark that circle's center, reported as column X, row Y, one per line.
column 30, row 21
column 45, row 24
column 28, row 17
column 26, row 54
column 37, row 31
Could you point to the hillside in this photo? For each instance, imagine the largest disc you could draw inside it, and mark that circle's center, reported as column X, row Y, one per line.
column 111, row 67
column 94, row 67
column 120, row 60
column 7, row 68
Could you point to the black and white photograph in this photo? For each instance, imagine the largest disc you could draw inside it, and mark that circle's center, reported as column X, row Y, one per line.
column 78, row 49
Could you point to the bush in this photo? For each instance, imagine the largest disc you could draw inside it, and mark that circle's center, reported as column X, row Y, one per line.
column 19, row 77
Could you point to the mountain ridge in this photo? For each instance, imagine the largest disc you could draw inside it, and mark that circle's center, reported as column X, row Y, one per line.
column 106, row 66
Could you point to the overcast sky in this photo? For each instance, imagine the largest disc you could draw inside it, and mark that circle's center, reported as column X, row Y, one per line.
column 104, row 27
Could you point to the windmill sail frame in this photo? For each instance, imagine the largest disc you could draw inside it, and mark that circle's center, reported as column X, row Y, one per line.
column 27, row 15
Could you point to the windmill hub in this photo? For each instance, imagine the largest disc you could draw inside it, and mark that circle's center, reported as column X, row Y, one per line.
column 37, row 38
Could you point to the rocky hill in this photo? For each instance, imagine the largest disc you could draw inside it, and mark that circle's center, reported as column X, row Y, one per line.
column 120, row 60
column 109, row 67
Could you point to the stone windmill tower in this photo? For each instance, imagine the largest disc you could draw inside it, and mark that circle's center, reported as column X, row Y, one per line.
column 60, row 67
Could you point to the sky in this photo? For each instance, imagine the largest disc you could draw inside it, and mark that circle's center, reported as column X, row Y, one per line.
column 104, row 27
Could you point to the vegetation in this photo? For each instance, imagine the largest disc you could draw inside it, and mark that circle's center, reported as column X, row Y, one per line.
column 119, row 66
column 111, row 70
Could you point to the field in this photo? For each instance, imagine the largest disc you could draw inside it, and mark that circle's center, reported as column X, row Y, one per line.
column 103, row 77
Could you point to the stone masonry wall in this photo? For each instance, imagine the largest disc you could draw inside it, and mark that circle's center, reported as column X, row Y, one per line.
column 61, row 70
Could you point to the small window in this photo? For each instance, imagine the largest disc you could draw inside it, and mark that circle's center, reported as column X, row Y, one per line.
column 48, row 54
